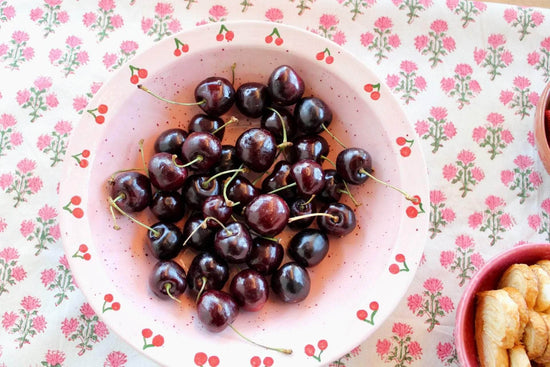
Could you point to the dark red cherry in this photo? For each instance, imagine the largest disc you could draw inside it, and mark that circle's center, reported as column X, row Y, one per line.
column 197, row 188
column 334, row 187
column 313, row 147
column 274, row 118
column 249, row 289
column 233, row 243
column 352, row 164
column 342, row 221
column 207, row 267
column 197, row 236
column 218, row 95
column 203, row 148
column 267, row 214
column 279, row 179
column 308, row 247
column 291, row 282
column 131, row 191
column 301, row 207
column 207, row 124
column 216, row 310
column 285, row 86
column 252, row 98
column 228, row 160
column 167, row 280
column 266, row 255
column 216, row 207
column 311, row 114
column 166, row 241
column 170, row 141
column 167, row 206
column 309, row 177
column 256, row 148
column 166, row 172
column 240, row 190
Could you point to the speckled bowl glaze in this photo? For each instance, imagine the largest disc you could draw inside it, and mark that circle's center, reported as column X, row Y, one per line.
column 485, row 279
column 541, row 129
column 349, row 298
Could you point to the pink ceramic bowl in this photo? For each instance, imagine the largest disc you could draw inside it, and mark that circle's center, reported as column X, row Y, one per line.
column 486, row 279
column 542, row 127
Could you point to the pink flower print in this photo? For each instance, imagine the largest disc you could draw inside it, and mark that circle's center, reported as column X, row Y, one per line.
column 446, row 258
column 106, row 5
column 30, row 303
column 3, row 49
column 449, row 44
column 463, row 70
column 464, row 242
column 47, row 276
column 47, row 213
column 165, row 9
column 444, row 351
column 146, row 25
column 55, row 357
column 506, row 97
column 415, row 350
column 523, row 162
column 55, row 54
column 477, row 174
column 449, row 171
column 39, row 323
column 217, row 12
column 533, row 98
column 394, row 41
column 447, row 215
column 447, row 84
column 510, row 15
column 439, row 26
column 339, row 38
column 87, row 310
column 420, row 42
column 535, row 179
column 42, row 83
column 63, row 17
column 9, row 254
column 383, row 347
column 496, row 40
column 16, row 138
column 128, row 47
column 437, row 197
column 69, row 326
column 63, row 127
column 73, row 41
column 328, row 21
column 55, row 232
column 479, row 55
column 101, row 330
column 507, row 57
column 383, row 23
column 414, row 302
column 366, row 39
column 433, row 285
column 506, row 221
column 3, row 225
column 533, row 58
column 449, row 130
column 20, row 37
column 9, row 319
column 422, row 127
column 79, row 104
column 274, row 14
column 479, row 134
column 117, row 21
column 6, row 180
column 43, row 142
column 537, row 18
column 7, row 121
column 494, row 202
column 26, row 165
column 51, row 100
column 392, row 80
column 534, row 221
column 89, row 19
column 109, row 60
column 521, row 82
column 466, row 157
column 401, row 330
column 506, row 177
column 82, row 58
column 115, row 359
column 477, row 260
column 408, row 66
column 35, row 184
column 545, row 205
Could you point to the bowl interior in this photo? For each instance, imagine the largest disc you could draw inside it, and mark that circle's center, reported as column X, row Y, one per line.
column 542, row 128
column 356, row 267
column 486, row 279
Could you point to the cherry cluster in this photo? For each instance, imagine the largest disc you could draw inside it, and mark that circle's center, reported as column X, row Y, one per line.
column 231, row 218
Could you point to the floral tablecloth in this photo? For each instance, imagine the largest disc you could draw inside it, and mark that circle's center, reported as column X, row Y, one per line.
column 468, row 74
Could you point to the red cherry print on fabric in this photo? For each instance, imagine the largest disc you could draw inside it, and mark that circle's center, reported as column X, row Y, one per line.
column 73, row 207
column 82, row 158
column 256, row 361
column 137, row 74
column 400, row 264
column 156, row 341
column 274, row 36
column 82, row 252
column 202, row 360
column 109, row 303
column 412, row 211
column 373, row 90
column 225, row 33
column 325, row 55
column 99, row 113
column 406, row 145
column 364, row 315
column 180, row 47
column 311, row 351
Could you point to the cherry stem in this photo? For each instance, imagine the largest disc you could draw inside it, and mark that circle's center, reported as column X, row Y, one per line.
column 232, row 120
column 140, row 143
column 328, row 160
column 282, row 188
column 309, row 200
column 285, row 143
column 226, row 184
column 203, row 226
column 335, row 218
column 333, row 136
column 112, row 178
column 147, row 90
column 203, row 286
column 233, row 67
column 113, row 204
column 167, row 287
column 280, row 350
column 407, row 196
column 236, row 170
column 198, row 159
column 348, row 192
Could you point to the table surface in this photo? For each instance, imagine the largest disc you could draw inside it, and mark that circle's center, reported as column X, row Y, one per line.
column 539, row 3
column 467, row 74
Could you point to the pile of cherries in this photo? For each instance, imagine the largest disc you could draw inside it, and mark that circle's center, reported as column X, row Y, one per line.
column 233, row 200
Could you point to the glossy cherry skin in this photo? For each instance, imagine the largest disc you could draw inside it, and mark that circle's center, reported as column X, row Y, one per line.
column 308, row 247
column 240, row 190
column 299, row 207
column 313, row 147
column 311, row 114
column 291, row 282
column 197, row 188
column 167, row 279
column 201, row 238
column 228, row 160
column 267, row 214
column 256, row 148
column 249, row 289
column 206, row 124
column 217, row 310
column 210, row 267
column 216, row 207
column 309, row 177
column 266, row 255
column 204, row 145
column 233, row 243
column 280, row 177
column 352, row 165
column 345, row 223
column 274, row 122
column 131, row 191
column 218, row 95
column 165, row 172
column 167, row 206
column 168, row 243
column 334, row 186
column 252, row 98
column 170, row 141
column 285, row 86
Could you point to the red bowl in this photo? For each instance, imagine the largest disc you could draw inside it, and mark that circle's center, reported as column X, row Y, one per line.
column 486, row 279
column 542, row 128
